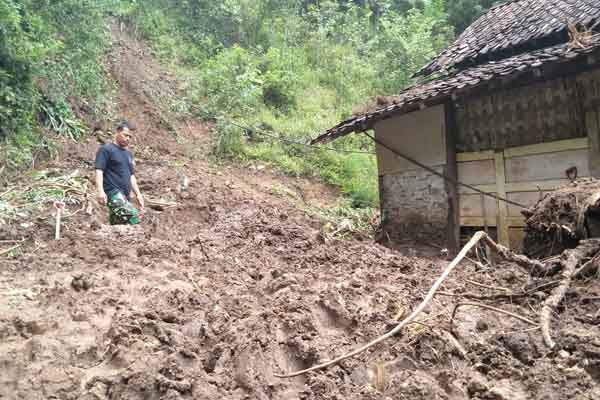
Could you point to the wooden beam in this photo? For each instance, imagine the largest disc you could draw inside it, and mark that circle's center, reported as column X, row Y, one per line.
column 453, row 226
column 475, row 156
column 592, row 124
column 550, row 147
column 529, row 186
column 478, row 221
column 489, row 188
column 536, row 186
column 511, row 222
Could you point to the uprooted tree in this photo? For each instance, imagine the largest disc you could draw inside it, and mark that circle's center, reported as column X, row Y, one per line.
column 560, row 219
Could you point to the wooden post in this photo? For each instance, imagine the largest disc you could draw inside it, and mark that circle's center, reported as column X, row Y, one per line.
column 593, row 130
column 502, row 224
column 453, row 227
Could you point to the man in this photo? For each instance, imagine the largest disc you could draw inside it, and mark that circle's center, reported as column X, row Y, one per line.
column 115, row 179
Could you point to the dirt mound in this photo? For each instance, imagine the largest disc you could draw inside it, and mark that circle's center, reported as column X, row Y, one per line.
column 562, row 218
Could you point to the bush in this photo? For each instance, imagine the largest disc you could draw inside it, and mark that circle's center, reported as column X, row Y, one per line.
column 228, row 140
column 231, row 82
column 280, row 83
column 49, row 53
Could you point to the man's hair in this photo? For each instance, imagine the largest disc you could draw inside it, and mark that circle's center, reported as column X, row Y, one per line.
column 123, row 125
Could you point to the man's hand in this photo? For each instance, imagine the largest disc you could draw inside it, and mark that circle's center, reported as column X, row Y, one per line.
column 140, row 201
column 102, row 198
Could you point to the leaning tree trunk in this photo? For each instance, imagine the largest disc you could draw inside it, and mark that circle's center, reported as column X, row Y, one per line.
column 562, row 218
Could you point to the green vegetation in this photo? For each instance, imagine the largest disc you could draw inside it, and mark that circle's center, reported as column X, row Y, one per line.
column 292, row 69
column 50, row 55
column 47, row 186
column 285, row 68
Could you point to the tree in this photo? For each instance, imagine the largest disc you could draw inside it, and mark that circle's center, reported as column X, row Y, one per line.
column 461, row 13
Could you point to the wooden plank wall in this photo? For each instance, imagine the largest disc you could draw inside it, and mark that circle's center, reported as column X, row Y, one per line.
column 521, row 174
column 590, row 87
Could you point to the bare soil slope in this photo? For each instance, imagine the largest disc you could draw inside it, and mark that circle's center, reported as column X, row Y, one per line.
column 208, row 299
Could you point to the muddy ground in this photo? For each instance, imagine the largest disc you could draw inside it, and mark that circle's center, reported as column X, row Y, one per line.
column 207, row 300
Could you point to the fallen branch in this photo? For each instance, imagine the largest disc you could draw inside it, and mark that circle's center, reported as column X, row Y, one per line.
column 447, row 336
column 12, row 241
column 159, row 205
column 570, row 261
column 517, row 316
column 455, row 343
column 504, row 296
column 487, row 286
column 474, row 240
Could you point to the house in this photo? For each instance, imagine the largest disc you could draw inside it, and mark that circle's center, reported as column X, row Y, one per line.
column 511, row 109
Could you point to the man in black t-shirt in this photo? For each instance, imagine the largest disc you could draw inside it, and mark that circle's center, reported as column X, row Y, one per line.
column 115, row 179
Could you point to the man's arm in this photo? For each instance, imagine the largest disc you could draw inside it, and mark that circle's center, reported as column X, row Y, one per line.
column 102, row 157
column 102, row 198
column 138, row 194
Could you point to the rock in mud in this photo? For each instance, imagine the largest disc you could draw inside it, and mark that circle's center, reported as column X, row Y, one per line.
column 81, row 282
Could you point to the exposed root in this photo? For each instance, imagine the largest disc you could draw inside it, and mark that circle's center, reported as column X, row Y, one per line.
column 517, row 316
column 503, row 289
column 571, row 260
column 535, row 268
column 455, row 343
column 589, row 268
column 505, row 296
column 474, row 240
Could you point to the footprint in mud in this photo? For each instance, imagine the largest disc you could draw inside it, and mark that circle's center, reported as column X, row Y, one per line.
column 332, row 317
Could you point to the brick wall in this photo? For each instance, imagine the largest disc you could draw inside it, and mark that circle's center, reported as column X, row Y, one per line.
column 414, row 205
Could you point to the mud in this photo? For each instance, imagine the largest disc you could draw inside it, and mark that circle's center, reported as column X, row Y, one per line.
column 208, row 299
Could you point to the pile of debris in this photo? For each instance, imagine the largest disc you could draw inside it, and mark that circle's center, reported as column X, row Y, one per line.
column 562, row 218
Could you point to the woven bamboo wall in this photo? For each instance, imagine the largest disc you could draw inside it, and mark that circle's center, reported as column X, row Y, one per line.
column 540, row 113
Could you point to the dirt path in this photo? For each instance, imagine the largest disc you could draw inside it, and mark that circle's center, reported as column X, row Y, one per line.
column 208, row 299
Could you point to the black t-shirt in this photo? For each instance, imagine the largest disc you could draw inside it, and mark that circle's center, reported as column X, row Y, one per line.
column 117, row 165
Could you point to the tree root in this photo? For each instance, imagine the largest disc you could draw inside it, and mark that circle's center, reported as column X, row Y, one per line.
column 474, row 240
column 505, row 296
column 570, row 261
column 535, row 268
column 517, row 316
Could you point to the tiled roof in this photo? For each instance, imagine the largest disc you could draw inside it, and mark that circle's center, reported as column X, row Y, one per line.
column 438, row 90
column 512, row 27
